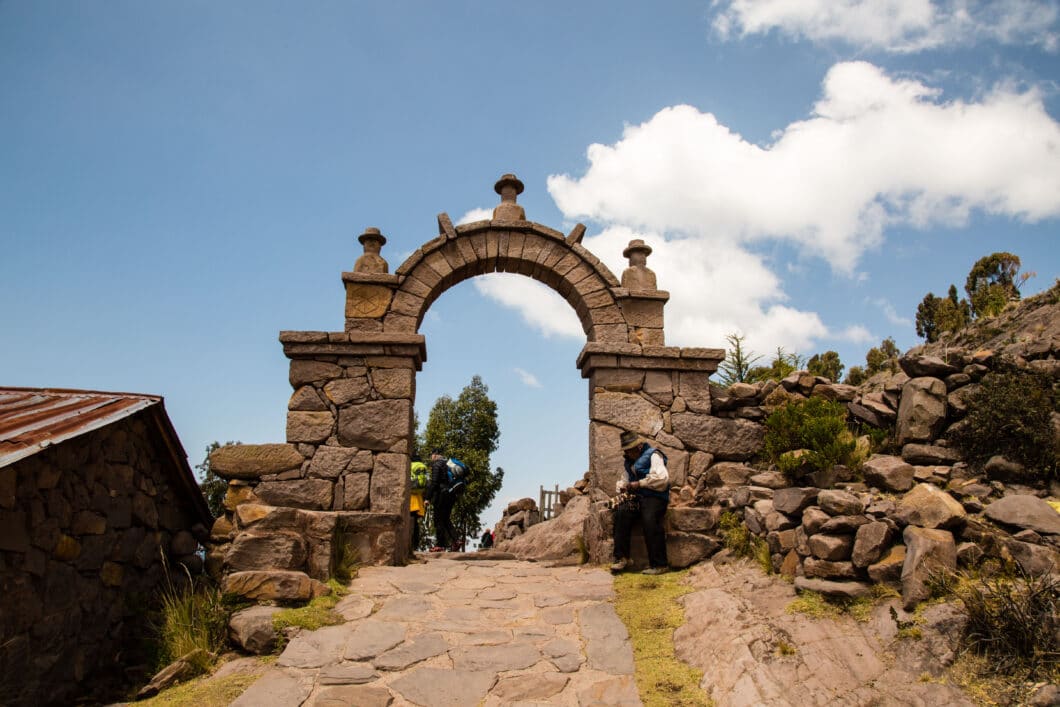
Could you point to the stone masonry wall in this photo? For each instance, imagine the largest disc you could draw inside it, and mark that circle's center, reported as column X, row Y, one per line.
column 85, row 528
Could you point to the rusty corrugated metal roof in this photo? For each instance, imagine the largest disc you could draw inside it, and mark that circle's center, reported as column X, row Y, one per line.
column 32, row 419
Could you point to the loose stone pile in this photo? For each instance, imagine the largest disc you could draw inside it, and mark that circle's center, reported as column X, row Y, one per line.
column 517, row 518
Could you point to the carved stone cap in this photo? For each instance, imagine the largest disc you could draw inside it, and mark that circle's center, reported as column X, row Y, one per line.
column 506, row 180
column 372, row 234
column 637, row 245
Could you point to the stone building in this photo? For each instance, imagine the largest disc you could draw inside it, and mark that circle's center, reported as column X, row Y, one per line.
column 96, row 499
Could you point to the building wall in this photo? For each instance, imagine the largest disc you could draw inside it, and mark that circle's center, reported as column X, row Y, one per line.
column 84, row 527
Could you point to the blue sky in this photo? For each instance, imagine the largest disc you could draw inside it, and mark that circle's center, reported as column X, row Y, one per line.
column 181, row 181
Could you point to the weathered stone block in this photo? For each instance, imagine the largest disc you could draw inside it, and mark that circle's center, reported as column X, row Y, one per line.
column 249, row 461
column 889, row 569
column 728, row 474
column 888, row 473
column 928, row 507
column 829, row 570
column 252, row 629
column 870, row 542
column 303, row 372
column 311, row 427
column 389, row 480
column 927, row 551
column 89, row 523
column 376, row 425
column 272, row 551
column 330, row 462
column 356, row 488
column 306, row 399
column 348, row 390
column 922, row 411
column 276, row 586
column 736, row 440
column 618, row 379
column 394, row 382
column 831, row 547
column 1025, row 511
column 691, row 519
column 840, row 503
column 630, row 412
column 850, row 590
column 794, row 499
column 686, row 549
column 312, row 494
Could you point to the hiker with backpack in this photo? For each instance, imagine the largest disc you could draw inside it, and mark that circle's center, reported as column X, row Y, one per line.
column 643, row 495
column 448, row 478
column 418, row 478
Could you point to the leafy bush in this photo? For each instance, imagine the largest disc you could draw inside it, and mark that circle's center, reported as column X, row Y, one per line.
column 1015, row 622
column 742, row 542
column 816, row 425
column 1010, row 415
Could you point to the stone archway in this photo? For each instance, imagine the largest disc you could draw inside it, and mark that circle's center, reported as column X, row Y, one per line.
column 364, row 377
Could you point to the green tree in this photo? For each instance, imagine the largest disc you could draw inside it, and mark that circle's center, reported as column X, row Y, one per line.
column 213, row 487
column 937, row 315
column 927, row 318
column 826, row 364
column 856, row 376
column 883, row 356
column 737, row 363
column 993, row 281
column 466, row 428
column 782, row 365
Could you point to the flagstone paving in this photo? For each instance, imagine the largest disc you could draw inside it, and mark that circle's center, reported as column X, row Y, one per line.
column 454, row 632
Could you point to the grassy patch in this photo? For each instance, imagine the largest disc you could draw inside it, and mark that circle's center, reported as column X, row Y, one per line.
column 204, row 692
column 316, row 614
column 192, row 619
column 648, row 606
column 742, row 542
column 818, row 606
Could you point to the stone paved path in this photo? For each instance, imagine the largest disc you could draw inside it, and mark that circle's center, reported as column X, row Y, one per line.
column 453, row 632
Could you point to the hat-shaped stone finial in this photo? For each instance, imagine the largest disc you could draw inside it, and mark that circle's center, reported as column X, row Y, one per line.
column 371, row 262
column 509, row 187
column 638, row 276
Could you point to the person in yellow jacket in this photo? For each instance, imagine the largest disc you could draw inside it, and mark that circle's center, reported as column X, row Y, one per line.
column 417, row 509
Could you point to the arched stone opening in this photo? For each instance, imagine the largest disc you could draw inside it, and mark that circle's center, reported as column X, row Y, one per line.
column 350, row 418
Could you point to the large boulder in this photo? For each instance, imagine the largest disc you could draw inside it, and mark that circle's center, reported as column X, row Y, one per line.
column 736, row 440
column 1028, row 512
column 686, row 549
column 252, row 629
column 691, row 519
column 922, row 411
column 929, row 454
column 928, row 552
column 1033, row 559
column 916, row 365
column 728, row 474
column 837, row 502
column 555, row 539
column 250, row 461
column 794, row 499
column 928, row 507
column 870, row 542
column 888, row 473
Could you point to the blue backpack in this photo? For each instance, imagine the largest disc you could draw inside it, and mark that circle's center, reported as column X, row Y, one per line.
column 456, row 471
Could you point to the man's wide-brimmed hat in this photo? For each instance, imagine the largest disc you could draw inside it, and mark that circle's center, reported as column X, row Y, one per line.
column 629, row 440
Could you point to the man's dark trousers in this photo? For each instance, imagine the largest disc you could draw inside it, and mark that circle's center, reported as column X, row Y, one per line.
column 652, row 512
column 443, row 522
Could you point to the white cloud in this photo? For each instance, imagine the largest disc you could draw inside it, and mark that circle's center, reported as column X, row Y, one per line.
column 475, row 215
column 540, row 306
column 855, row 334
column 889, row 311
column 900, row 26
column 877, row 152
column 528, row 379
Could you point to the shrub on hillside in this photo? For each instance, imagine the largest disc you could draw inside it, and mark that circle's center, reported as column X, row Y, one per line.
column 1009, row 415
column 816, row 425
column 1014, row 622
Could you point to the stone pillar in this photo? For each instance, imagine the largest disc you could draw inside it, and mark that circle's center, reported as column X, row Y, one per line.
column 641, row 389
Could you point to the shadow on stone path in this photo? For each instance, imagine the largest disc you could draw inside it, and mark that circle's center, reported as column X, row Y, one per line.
column 453, row 632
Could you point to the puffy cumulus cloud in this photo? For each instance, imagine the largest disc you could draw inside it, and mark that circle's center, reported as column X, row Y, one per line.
column 540, row 306
column 877, row 151
column 900, row 26
column 715, row 289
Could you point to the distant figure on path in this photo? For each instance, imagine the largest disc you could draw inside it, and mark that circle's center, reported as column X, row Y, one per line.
column 418, row 478
column 487, row 540
column 643, row 494
column 441, row 499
